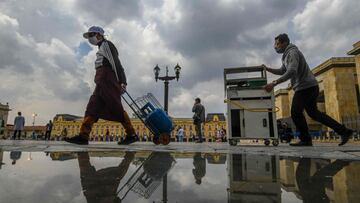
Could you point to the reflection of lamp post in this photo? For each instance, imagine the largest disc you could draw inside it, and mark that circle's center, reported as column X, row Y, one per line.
column 33, row 123
column 166, row 80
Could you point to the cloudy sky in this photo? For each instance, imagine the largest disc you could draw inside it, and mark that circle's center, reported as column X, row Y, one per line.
column 48, row 68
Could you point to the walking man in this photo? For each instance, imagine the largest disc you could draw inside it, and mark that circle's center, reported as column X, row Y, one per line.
column 303, row 82
column 48, row 130
column 110, row 80
column 199, row 118
column 19, row 124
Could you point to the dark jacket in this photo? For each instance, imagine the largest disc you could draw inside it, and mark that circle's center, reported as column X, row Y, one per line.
column 199, row 113
column 108, row 56
column 295, row 68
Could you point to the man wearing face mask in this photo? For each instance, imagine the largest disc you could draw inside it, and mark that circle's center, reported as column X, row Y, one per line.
column 305, row 86
column 110, row 80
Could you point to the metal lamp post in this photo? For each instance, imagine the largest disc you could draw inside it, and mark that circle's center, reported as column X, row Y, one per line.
column 166, row 80
column 33, row 124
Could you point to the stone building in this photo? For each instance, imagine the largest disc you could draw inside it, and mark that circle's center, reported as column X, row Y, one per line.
column 338, row 80
column 4, row 113
column 39, row 130
column 355, row 51
column 214, row 122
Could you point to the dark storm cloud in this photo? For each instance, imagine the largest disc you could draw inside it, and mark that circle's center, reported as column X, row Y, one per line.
column 60, row 188
column 41, row 43
column 11, row 55
column 108, row 10
column 224, row 34
column 55, row 63
column 42, row 20
column 205, row 26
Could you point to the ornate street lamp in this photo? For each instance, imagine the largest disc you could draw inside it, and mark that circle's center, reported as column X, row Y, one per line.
column 156, row 72
column 166, row 80
column 177, row 71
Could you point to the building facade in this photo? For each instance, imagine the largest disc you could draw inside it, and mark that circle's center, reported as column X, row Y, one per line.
column 338, row 79
column 4, row 113
column 69, row 125
column 27, row 133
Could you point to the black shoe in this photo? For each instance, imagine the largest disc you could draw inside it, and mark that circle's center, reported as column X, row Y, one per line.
column 302, row 144
column 198, row 141
column 128, row 140
column 346, row 136
column 77, row 140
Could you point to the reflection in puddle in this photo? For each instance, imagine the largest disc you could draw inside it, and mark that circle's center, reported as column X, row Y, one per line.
column 174, row 177
column 254, row 178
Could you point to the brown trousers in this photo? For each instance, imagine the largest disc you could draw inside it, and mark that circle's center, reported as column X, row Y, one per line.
column 105, row 103
column 89, row 121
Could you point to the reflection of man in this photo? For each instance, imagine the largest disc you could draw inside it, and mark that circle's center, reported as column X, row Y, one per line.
column 101, row 185
column 200, row 167
column 15, row 155
column 312, row 188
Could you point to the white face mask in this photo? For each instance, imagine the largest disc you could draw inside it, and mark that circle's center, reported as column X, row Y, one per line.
column 93, row 40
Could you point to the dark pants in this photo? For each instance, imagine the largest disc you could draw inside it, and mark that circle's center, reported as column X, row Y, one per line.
column 306, row 99
column 47, row 134
column 18, row 132
column 105, row 102
column 198, row 131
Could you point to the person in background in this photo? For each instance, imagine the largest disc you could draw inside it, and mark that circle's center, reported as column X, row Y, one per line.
column 64, row 133
column 180, row 134
column 223, row 133
column 198, row 118
column 49, row 127
column 19, row 123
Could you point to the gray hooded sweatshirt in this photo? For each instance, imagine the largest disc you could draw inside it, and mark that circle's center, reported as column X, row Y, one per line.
column 295, row 67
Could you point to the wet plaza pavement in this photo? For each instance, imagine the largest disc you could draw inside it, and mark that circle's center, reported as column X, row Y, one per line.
column 59, row 172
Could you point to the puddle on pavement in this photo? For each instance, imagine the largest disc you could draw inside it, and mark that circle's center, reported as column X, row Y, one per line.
column 174, row 177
